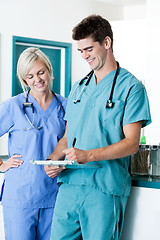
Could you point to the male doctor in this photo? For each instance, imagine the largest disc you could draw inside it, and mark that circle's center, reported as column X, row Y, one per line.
column 105, row 118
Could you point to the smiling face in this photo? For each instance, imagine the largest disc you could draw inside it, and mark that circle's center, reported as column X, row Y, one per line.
column 38, row 77
column 94, row 53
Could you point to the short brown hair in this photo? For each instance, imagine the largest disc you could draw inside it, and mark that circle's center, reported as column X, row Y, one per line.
column 93, row 26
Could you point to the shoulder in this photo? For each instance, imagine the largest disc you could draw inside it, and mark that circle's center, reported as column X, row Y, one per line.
column 129, row 78
column 129, row 82
column 75, row 85
column 13, row 101
column 62, row 100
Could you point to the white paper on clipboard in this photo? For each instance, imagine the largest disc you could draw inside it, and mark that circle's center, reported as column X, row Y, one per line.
column 63, row 163
column 60, row 163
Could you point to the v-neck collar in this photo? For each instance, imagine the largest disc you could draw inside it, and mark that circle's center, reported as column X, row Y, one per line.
column 97, row 88
column 38, row 107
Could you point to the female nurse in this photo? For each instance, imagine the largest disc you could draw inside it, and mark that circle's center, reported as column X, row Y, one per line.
column 34, row 123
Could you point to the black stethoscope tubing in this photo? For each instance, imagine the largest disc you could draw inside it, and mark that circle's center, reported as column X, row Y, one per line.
column 109, row 103
column 29, row 104
column 88, row 76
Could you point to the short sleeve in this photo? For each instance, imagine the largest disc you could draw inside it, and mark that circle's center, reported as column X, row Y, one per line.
column 6, row 121
column 69, row 103
column 137, row 107
column 67, row 111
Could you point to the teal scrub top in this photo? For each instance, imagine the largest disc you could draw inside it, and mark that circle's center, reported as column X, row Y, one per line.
column 28, row 186
column 95, row 126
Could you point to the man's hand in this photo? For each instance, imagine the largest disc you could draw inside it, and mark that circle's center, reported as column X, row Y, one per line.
column 80, row 156
column 53, row 171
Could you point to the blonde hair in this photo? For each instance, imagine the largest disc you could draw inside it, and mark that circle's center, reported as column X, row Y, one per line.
column 26, row 61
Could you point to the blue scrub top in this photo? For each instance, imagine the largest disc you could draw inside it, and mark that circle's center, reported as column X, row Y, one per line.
column 95, row 126
column 28, row 186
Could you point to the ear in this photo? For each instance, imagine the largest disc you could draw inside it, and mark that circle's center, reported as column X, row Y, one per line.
column 107, row 42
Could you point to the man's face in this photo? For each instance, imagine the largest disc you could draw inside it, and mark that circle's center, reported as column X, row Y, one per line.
column 94, row 53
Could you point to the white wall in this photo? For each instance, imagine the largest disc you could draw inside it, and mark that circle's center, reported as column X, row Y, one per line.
column 153, row 65
column 146, row 52
column 142, row 215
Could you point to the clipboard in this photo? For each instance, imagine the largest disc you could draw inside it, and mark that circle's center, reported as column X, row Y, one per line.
column 59, row 163
column 63, row 163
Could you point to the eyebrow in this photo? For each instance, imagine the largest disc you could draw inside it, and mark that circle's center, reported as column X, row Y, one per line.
column 42, row 69
column 85, row 48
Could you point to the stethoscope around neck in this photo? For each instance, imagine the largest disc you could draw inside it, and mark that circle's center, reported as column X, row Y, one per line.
column 109, row 103
column 28, row 104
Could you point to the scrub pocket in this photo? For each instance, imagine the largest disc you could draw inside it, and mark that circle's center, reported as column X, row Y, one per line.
column 113, row 116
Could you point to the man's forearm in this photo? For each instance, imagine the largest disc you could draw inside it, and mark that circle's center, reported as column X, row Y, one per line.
column 118, row 150
column 129, row 145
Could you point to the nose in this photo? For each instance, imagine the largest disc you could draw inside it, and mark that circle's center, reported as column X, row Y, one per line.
column 37, row 78
column 85, row 55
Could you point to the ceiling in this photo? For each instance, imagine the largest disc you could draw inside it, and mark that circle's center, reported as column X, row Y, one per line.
column 123, row 2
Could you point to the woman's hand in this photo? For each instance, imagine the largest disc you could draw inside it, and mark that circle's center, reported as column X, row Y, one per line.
column 12, row 162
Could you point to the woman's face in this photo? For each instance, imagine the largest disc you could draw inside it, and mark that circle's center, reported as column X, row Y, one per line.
column 38, row 77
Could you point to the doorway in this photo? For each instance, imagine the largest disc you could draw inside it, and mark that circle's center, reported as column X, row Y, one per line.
column 59, row 54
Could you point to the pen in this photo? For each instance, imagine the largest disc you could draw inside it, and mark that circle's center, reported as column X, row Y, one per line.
column 74, row 142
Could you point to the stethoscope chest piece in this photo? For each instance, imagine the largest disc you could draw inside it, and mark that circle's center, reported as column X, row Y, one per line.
column 109, row 104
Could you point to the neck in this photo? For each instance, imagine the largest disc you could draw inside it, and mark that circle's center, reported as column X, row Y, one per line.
column 110, row 66
column 42, row 97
